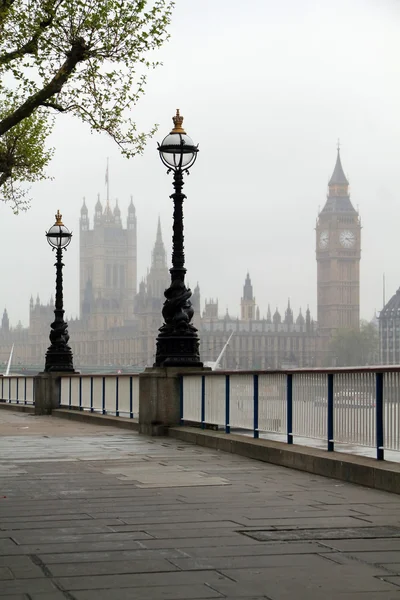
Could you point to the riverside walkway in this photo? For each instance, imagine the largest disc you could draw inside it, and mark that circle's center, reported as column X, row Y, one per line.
column 94, row 513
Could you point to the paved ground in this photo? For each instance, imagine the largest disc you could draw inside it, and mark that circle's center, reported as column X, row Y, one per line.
column 90, row 513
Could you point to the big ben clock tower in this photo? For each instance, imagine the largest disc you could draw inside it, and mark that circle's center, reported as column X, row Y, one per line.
column 338, row 251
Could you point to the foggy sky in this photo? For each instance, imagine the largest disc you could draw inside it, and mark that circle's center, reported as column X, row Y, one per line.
column 266, row 89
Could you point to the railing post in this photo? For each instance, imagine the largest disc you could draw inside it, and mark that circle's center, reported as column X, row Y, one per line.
column 289, row 407
column 9, row 390
column 130, row 397
column 17, row 390
column 331, row 443
column 227, row 404
column 91, row 394
column 379, row 417
column 103, row 399
column 116, row 396
column 255, row 391
column 25, row 402
column 70, row 393
column 181, row 399
column 80, row 393
column 203, row 401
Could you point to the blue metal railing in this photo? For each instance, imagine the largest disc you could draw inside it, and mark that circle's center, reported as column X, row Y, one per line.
column 117, row 395
column 350, row 407
column 17, row 389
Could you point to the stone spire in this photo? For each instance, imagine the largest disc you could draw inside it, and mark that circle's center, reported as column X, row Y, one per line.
column 131, row 221
column 84, row 210
column 269, row 319
column 5, row 322
column 338, row 200
column 98, row 210
column 308, row 319
column 247, row 288
column 117, row 210
column 338, row 176
column 159, row 255
column 84, row 220
column 117, row 213
column 248, row 302
column 289, row 314
column 277, row 317
column 300, row 319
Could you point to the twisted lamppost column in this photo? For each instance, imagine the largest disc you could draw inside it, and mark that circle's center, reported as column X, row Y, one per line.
column 178, row 342
column 59, row 355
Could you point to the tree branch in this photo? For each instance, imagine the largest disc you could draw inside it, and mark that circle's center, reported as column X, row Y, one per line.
column 28, row 48
column 54, row 105
column 78, row 53
column 31, row 46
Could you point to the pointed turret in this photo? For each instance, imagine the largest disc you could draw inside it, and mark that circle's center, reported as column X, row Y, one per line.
column 277, row 317
column 248, row 302
column 98, row 210
column 131, row 222
column 338, row 176
column 247, row 288
column 84, row 220
column 258, row 313
column 117, row 213
column 300, row 319
column 338, row 200
column 159, row 235
column 159, row 255
column 5, row 323
column 84, row 210
column 289, row 314
column 117, row 210
column 269, row 319
column 308, row 319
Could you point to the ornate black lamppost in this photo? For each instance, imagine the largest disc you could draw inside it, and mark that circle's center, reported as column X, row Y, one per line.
column 178, row 342
column 59, row 355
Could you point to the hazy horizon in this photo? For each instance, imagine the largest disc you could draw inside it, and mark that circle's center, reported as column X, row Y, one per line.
column 266, row 91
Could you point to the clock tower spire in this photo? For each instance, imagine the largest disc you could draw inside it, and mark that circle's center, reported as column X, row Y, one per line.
column 338, row 253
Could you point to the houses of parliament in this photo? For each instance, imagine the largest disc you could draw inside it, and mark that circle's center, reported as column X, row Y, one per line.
column 119, row 320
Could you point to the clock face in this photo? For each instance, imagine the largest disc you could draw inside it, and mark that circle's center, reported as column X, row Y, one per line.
column 323, row 239
column 347, row 238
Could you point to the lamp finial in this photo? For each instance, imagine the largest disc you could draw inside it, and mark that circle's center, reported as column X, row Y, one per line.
column 59, row 218
column 178, row 120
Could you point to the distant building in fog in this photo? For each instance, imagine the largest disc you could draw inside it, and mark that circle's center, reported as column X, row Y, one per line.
column 118, row 323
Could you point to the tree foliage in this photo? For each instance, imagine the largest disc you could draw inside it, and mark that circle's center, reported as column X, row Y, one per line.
column 84, row 57
column 352, row 347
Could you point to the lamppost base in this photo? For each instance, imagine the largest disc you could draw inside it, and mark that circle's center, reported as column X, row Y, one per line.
column 59, row 362
column 178, row 351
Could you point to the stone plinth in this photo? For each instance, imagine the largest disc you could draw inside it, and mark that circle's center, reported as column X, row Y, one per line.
column 47, row 392
column 159, row 399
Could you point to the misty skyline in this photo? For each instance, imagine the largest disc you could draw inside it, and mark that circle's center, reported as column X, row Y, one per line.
column 266, row 91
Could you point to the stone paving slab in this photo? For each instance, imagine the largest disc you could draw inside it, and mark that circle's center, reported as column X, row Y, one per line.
column 94, row 514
